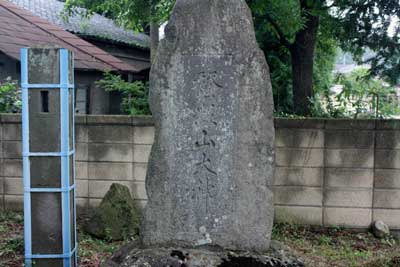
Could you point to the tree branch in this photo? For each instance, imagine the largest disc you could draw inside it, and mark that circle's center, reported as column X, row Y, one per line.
column 282, row 39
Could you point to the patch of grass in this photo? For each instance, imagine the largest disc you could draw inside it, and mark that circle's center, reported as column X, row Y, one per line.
column 92, row 251
column 11, row 239
column 333, row 247
column 338, row 247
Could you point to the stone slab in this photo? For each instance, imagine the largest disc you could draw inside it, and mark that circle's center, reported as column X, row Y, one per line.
column 387, row 199
column 10, row 118
column 298, row 215
column 110, row 152
column 139, row 171
column 299, row 176
column 299, row 196
column 110, row 134
column 297, row 138
column 1, row 187
column 388, row 139
column 82, row 204
column 81, row 151
column 349, row 177
column 306, row 123
column 143, row 135
column 356, row 139
column 12, row 150
column 82, row 188
column 348, row 198
column 349, row 158
column 360, row 124
column 81, row 170
column 387, row 178
column 387, row 159
column 13, row 186
column 289, row 157
column 392, row 124
column 108, row 119
column 14, row 203
column 12, row 132
column 98, row 189
column 141, row 153
column 347, row 217
column 81, row 133
column 110, row 171
column 212, row 163
column 12, row 168
column 390, row 216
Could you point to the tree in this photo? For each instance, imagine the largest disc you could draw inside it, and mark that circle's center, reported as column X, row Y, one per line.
column 356, row 25
column 138, row 15
column 134, row 94
column 362, row 96
column 290, row 33
column 10, row 96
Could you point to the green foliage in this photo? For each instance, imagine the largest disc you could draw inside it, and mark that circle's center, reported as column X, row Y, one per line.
column 363, row 96
column 11, row 239
column 272, row 26
column 337, row 246
column 278, row 56
column 353, row 25
column 365, row 25
column 132, row 14
column 278, row 12
column 360, row 97
column 93, row 252
column 10, row 99
column 134, row 94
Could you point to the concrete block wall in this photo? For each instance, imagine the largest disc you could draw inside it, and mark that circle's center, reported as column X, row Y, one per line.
column 338, row 172
column 108, row 149
column 11, row 162
column 299, row 171
column 328, row 173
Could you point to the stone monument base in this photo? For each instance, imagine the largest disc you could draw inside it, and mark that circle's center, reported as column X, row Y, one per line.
column 132, row 255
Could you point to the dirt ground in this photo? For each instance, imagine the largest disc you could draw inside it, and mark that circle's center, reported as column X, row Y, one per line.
column 317, row 248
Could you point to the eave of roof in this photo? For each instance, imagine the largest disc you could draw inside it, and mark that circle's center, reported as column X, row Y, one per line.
column 95, row 25
column 23, row 29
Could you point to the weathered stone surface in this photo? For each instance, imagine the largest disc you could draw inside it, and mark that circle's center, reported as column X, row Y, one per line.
column 212, row 162
column 117, row 217
column 380, row 229
column 132, row 256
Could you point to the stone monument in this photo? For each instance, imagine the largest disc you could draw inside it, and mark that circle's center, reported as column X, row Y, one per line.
column 211, row 168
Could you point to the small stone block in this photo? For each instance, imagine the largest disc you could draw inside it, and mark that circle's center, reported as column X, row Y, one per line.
column 347, row 217
column 348, row 198
column 305, row 196
column 298, row 215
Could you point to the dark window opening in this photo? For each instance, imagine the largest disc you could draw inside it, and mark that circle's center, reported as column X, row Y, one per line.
column 44, row 95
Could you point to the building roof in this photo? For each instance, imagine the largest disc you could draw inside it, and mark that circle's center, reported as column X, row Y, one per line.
column 20, row 28
column 95, row 26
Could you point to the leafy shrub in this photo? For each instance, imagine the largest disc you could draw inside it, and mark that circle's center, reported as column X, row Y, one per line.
column 360, row 96
column 134, row 94
column 10, row 96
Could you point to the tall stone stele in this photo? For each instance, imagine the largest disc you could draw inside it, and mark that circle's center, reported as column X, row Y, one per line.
column 212, row 164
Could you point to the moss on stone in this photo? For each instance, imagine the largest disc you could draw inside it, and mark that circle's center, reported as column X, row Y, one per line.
column 117, row 217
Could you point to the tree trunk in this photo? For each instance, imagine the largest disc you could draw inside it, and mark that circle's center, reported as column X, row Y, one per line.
column 154, row 31
column 302, row 53
column 154, row 39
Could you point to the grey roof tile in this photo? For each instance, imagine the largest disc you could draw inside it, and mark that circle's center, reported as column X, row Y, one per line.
column 19, row 28
column 96, row 25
